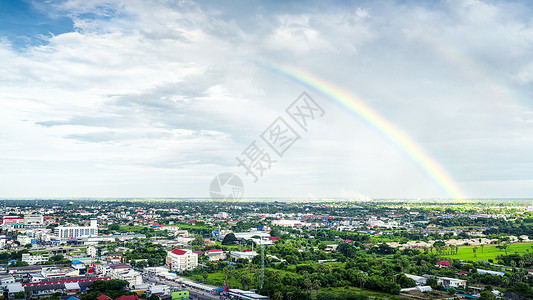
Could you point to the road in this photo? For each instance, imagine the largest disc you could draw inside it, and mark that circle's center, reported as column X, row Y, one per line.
column 193, row 292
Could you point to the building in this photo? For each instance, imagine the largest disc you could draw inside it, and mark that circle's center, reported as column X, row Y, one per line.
column 443, row 264
column 35, row 259
column 290, row 223
column 91, row 251
column 12, row 220
column 33, row 219
column 243, row 254
column 179, row 260
column 493, row 273
column 215, row 255
column 65, row 233
column 451, row 282
column 419, row 280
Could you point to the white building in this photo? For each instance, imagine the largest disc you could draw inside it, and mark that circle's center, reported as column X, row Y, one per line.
column 451, row 282
column 243, row 254
column 24, row 240
column 91, row 251
column 33, row 219
column 131, row 276
column 179, row 260
column 72, row 232
column 290, row 223
column 419, row 280
column 249, row 234
column 35, row 259
column 493, row 273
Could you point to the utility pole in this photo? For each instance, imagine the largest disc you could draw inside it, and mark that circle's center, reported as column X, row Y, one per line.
column 262, row 263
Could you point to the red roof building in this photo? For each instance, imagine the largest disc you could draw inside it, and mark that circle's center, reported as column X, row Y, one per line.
column 443, row 264
column 104, row 297
column 179, row 252
column 128, row 297
column 213, row 251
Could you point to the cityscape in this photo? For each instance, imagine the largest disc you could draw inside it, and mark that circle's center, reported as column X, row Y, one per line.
column 266, row 150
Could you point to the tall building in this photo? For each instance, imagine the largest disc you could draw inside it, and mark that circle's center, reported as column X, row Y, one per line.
column 65, row 233
column 179, row 260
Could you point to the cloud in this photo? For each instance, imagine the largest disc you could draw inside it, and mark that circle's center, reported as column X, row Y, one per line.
column 171, row 91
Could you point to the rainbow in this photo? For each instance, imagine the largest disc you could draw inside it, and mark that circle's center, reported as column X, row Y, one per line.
column 352, row 103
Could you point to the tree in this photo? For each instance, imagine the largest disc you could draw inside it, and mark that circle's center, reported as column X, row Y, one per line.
column 431, row 281
column 229, row 239
column 20, row 295
column 487, row 295
column 205, row 275
column 114, row 227
column 475, row 250
column 198, row 241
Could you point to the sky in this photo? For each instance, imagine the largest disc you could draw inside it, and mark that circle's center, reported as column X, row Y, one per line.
column 126, row 98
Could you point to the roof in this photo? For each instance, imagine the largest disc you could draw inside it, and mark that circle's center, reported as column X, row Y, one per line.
column 104, row 297
column 274, row 238
column 72, row 286
column 72, row 298
column 128, row 297
column 443, row 262
column 77, row 262
column 213, row 250
column 119, row 266
column 198, row 252
column 178, row 252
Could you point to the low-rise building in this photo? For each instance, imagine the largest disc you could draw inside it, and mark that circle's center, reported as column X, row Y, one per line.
column 451, row 282
column 215, row 255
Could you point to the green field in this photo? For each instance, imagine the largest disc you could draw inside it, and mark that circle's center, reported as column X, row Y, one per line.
column 489, row 251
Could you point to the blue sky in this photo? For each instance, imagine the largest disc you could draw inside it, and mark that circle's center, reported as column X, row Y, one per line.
column 26, row 25
column 154, row 98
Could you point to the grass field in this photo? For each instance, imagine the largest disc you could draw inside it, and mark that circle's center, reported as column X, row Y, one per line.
column 490, row 251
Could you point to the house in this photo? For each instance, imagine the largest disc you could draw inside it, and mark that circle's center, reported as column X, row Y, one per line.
column 462, row 273
column 114, row 258
column 247, row 254
column 72, row 288
column 14, row 288
column 493, row 273
column 443, row 264
column 331, row 248
column 128, row 297
column 179, row 260
column 115, row 269
column 451, row 282
column 5, row 280
column 104, row 297
column 419, row 280
column 215, row 255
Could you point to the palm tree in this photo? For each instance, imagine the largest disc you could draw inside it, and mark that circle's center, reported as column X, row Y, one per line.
column 475, row 250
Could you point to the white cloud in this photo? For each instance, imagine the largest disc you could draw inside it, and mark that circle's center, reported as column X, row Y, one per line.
column 162, row 92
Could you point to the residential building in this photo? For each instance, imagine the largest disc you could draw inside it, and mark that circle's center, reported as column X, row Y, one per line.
column 243, row 254
column 179, row 260
column 35, row 259
column 215, row 255
column 451, row 282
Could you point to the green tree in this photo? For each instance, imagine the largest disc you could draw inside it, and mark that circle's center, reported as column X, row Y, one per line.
column 487, row 295
column 198, row 241
column 229, row 239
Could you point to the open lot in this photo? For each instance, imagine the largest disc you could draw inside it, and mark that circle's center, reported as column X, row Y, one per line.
column 490, row 251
